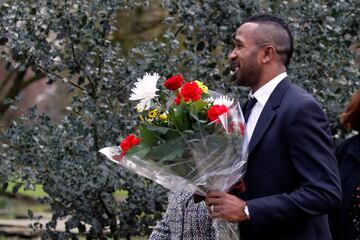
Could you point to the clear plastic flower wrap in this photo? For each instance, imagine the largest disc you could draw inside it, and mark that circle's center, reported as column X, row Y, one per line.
column 190, row 140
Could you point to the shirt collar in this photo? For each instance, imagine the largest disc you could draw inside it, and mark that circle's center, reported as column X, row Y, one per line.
column 263, row 93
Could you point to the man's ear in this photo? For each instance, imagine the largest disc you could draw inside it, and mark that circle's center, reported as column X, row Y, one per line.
column 269, row 53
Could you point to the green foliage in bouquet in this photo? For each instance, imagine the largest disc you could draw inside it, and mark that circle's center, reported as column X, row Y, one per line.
column 179, row 126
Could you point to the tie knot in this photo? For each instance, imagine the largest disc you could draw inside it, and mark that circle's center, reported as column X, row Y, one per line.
column 248, row 106
column 252, row 100
column 250, row 103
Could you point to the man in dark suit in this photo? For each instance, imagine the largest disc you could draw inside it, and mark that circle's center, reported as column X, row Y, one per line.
column 292, row 180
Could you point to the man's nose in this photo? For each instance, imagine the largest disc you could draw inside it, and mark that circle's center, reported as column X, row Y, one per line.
column 232, row 56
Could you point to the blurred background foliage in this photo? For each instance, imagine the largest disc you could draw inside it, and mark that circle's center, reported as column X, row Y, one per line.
column 66, row 74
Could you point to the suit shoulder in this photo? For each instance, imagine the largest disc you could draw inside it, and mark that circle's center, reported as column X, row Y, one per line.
column 350, row 145
column 297, row 97
column 298, row 104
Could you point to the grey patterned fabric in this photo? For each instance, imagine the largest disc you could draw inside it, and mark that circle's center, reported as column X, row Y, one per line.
column 184, row 220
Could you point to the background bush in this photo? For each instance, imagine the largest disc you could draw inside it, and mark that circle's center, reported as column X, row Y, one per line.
column 78, row 42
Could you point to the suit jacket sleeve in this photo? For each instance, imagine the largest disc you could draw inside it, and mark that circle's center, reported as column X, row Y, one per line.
column 312, row 156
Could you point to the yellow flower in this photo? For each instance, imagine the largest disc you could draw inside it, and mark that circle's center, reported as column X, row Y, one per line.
column 153, row 113
column 141, row 118
column 202, row 86
column 163, row 117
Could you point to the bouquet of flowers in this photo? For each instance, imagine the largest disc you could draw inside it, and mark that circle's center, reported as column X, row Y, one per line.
column 189, row 139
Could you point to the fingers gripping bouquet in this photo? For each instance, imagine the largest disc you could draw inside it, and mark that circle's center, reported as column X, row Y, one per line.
column 189, row 139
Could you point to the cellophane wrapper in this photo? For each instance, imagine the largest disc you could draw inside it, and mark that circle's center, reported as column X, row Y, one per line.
column 211, row 158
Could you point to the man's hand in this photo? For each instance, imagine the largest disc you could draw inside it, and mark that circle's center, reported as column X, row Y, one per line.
column 225, row 206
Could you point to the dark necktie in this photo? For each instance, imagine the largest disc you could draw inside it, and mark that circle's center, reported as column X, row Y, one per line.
column 248, row 106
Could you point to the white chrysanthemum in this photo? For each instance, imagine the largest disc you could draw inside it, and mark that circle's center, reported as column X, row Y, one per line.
column 209, row 100
column 145, row 90
column 224, row 100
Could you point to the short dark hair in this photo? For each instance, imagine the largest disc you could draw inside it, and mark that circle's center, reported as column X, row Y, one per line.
column 276, row 27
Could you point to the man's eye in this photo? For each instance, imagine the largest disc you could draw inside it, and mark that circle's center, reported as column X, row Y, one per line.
column 237, row 44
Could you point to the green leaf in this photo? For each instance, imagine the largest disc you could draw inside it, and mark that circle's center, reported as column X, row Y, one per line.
column 184, row 169
column 160, row 130
column 147, row 136
column 168, row 151
column 180, row 116
column 140, row 150
column 198, row 106
column 197, row 110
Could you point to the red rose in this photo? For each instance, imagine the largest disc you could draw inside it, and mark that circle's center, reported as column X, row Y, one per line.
column 215, row 111
column 177, row 99
column 191, row 92
column 242, row 129
column 128, row 143
column 174, row 82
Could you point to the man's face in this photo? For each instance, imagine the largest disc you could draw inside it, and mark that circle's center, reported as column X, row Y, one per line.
column 244, row 57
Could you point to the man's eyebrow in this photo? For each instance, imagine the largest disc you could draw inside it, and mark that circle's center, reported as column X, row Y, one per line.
column 237, row 41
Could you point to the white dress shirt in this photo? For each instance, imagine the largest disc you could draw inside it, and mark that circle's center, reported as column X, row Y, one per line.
column 261, row 95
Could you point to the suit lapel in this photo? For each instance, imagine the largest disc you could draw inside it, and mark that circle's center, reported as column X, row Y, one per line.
column 263, row 123
column 268, row 113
